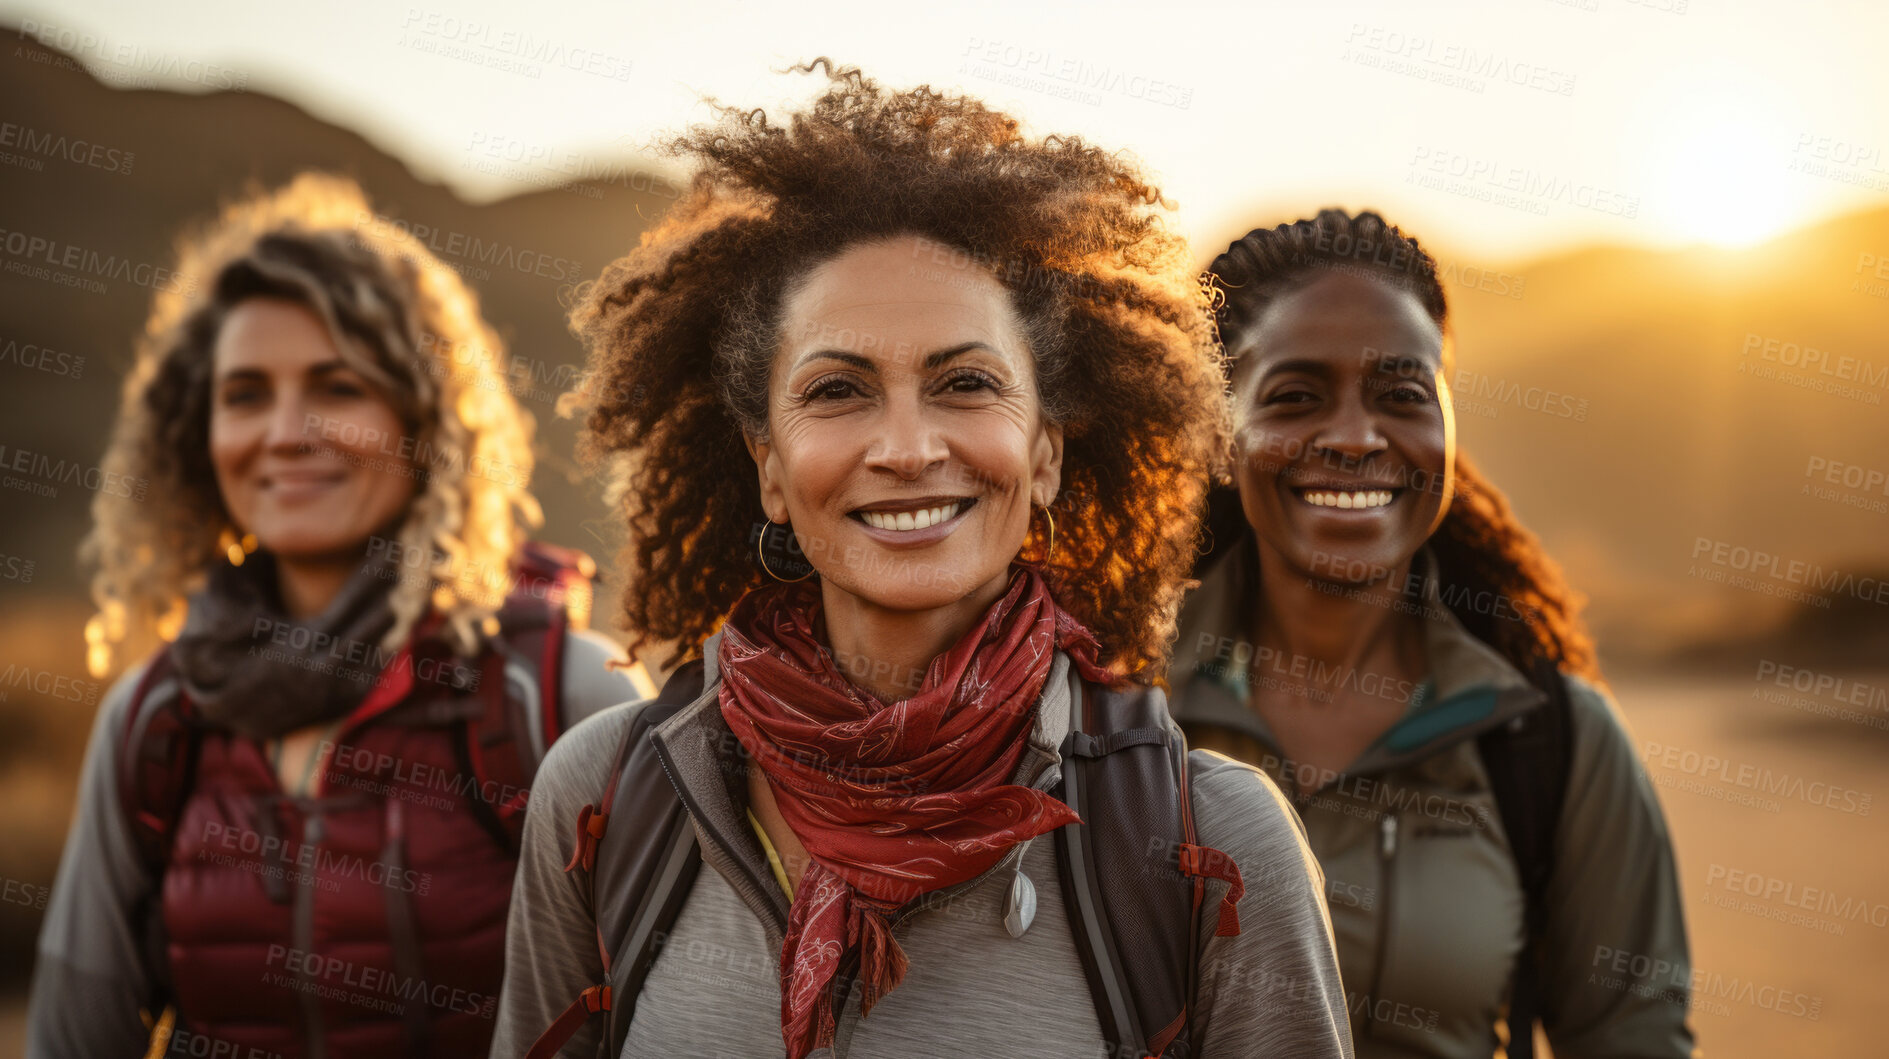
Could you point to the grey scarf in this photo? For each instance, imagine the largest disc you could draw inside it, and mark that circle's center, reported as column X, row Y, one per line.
column 249, row 667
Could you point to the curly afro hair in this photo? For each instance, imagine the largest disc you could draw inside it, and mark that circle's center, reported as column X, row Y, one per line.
column 682, row 334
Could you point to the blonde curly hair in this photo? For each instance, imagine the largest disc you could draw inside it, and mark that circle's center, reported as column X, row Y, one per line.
column 397, row 315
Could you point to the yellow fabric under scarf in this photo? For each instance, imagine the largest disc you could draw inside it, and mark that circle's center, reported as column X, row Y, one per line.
column 773, row 856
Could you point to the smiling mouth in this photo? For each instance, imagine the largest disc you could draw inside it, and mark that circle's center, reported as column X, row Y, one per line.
column 301, row 481
column 923, row 515
column 1346, row 499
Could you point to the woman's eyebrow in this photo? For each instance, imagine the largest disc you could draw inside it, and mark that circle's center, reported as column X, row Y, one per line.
column 932, row 360
column 243, row 373
column 1405, row 365
column 1306, row 365
column 854, row 359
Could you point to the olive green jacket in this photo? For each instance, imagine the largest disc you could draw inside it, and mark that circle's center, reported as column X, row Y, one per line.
column 1426, row 901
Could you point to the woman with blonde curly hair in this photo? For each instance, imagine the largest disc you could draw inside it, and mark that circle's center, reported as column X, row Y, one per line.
column 914, row 416
column 298, row 820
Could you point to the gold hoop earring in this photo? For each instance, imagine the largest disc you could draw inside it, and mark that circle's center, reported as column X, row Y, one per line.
column 1051, row 551
column 235, row 548
column 760, row 551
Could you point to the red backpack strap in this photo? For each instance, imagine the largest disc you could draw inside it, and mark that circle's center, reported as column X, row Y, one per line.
column 550, row 595
column 157, row 764
column 521, row 684
column 157, row 759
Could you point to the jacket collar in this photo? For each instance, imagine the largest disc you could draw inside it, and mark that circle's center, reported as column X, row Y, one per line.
column 710, row 774
column 1470, row 688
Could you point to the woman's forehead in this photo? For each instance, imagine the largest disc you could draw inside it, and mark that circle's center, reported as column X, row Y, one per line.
column 1342, row 320
column 891, row 299
column 273, row 332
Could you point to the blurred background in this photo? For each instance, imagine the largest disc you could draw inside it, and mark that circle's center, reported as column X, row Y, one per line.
column 1663, row 225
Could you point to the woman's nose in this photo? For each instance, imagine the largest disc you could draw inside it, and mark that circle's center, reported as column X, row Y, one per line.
column 906, row 443
column 1352, row 432
column 291, row 424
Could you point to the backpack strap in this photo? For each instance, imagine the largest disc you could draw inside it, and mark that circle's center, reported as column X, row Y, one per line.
column 1528, row 762
column 1133, row 874
column 648, row 861
column 158, row 754
column 520, row 683
column 157, row 764
column 550, row 595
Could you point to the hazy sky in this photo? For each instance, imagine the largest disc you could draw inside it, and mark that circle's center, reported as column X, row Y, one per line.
column 1502, row 127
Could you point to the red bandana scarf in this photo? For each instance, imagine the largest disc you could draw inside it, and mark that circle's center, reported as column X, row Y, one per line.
column 891, row 801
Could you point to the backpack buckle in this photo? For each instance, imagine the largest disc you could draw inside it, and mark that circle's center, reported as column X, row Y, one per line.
column 1206, row 862
column 590, row 828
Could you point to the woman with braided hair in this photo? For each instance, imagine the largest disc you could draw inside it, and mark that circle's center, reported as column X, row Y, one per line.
column 1376, row 631
column 914, row 416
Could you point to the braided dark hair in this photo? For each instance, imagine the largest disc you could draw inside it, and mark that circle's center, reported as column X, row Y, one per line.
column 1481, row 547
column 1270, row 262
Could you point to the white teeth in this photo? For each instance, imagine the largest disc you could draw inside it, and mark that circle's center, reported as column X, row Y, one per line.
column 923, row 518
column 1363, row 498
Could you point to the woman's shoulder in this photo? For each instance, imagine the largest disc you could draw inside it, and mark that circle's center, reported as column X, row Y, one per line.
column 111, row 725
column 1240, row 811
column 589, row 680
column 1595, row 721
column 576, row 767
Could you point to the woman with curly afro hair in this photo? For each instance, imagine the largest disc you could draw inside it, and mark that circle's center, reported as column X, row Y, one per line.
column 321, row 774
column 912, row 417
column 1379, row 633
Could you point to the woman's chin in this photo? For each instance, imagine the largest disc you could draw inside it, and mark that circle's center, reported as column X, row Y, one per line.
column 311, row 545
column 1348, row 563
column 916, row 586
column 906, row 596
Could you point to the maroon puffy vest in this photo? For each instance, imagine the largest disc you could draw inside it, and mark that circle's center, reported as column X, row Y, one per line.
column 368, row 918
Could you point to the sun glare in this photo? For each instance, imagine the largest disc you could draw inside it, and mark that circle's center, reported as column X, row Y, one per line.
column 1726, row 181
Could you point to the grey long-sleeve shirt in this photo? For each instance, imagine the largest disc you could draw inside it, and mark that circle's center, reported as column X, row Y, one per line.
column 972, row 989
column 90, row 980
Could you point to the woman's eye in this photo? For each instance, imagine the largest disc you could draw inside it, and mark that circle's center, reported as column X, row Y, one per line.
column 343, row 388
column 241, row 395
column 1288, row 397
column 1409, row 395
column 830, row 390
column 970, row 382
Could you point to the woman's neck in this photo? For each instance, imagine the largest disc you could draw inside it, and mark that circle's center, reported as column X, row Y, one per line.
column 1314, row 626
column 887, row 652
column 308, row 586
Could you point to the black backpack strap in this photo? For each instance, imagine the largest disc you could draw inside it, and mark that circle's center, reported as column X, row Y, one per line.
column 1133, row 876
column 640, row 841
column 1528, row 762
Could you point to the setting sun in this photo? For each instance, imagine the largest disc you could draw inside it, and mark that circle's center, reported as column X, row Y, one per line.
column 1724, row 180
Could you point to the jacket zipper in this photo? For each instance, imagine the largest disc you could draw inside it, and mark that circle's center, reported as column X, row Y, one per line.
column 1387, row 857
column 304, row 927
column 701, row 819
